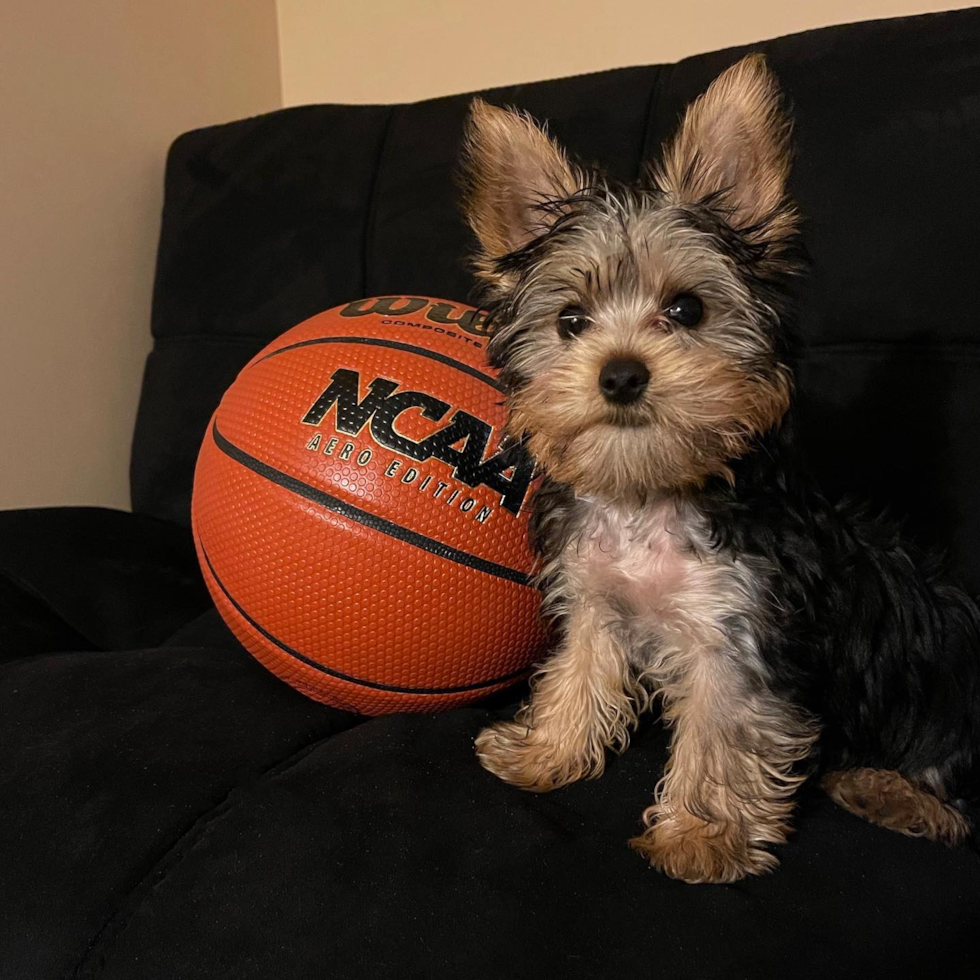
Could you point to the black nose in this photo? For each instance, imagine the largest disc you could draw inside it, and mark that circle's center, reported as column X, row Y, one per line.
column 623, row 379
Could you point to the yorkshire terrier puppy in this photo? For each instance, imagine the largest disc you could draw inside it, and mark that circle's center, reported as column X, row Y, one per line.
column 644, row 335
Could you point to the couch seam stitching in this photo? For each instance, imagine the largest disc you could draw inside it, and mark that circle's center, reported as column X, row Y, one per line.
column 119, row 920
column 372, row 209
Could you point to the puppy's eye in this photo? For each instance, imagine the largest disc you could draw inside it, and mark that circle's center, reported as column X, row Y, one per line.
column 686, row 310
column 572, row 321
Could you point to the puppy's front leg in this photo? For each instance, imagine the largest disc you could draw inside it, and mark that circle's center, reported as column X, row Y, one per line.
column 727, row 791
column 583, row 701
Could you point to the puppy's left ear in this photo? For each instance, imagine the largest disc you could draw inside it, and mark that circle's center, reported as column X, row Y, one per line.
column 732, row 149
column 513, row 173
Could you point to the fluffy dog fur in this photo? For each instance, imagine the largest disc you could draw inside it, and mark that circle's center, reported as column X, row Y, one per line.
column 686, row 555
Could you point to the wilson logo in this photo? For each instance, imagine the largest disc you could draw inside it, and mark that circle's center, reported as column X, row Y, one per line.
column 469, row 320
column 461, row 442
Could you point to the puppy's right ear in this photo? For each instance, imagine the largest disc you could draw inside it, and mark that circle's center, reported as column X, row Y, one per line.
column 512, row 171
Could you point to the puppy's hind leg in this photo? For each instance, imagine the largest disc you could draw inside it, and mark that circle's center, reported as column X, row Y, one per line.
column 889, row 799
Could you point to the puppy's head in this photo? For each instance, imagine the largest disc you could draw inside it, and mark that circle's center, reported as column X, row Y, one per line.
column 638, row 327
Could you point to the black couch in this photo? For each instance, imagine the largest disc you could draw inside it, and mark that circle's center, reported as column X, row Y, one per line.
column 168, row 809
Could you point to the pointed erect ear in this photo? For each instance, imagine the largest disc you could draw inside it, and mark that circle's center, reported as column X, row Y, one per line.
column 510, row 168
column 733, row 145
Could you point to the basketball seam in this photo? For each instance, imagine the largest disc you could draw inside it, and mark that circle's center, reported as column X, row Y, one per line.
column 363, row 517
column 360, row 681
column 394, row 345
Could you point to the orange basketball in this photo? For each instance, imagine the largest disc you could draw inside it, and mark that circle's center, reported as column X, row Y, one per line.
column 360, row 529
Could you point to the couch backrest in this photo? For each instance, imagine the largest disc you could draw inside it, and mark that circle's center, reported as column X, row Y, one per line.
column 272, row 219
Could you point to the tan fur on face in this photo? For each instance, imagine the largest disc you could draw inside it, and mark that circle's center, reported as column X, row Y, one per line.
column 623, row 257
column 583, row 701
column 511, row 168
column 734, row 142
column 700, row 410
column 889, row 799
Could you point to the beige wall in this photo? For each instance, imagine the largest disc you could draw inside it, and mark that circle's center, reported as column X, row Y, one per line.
column 91, row 94
column 93, row 91
column 400, row 50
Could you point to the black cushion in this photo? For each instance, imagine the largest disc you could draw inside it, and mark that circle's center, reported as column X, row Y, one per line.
column 179, row 812
column 169, row 809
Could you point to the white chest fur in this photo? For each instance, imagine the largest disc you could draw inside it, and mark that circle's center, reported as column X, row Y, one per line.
column 642, row 558
column 657, row 567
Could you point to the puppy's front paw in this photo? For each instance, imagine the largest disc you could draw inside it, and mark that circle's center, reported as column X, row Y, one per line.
column 523, row 757
column 693, row 850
